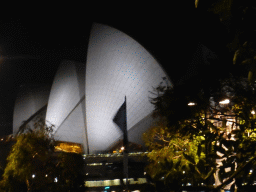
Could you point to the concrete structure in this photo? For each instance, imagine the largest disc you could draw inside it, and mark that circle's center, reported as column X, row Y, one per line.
column 31, row 103
column 66, row 106
column 85, row 97
column 117, row 66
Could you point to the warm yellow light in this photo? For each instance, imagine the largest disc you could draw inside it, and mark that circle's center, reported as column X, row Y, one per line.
column 191, row 104
column 226, row 101
column 68, row 147
column 122, row 148
column 253, row 112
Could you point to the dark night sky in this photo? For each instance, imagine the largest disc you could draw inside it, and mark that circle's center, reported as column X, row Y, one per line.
column 34, row 43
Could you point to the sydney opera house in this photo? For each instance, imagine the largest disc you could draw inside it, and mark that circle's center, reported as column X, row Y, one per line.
column 84, row 97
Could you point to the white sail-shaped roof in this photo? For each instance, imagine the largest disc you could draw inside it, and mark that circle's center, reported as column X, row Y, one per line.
column 85, row 97
column 66, row 109
column 117, row 66
column 30, row 100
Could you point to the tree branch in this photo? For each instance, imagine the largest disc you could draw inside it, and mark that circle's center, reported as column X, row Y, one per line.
column 235, row 174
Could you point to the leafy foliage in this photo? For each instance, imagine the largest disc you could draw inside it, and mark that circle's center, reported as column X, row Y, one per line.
column 237, row 17
column 33, row 164
column 71, row 175
column 214, row 142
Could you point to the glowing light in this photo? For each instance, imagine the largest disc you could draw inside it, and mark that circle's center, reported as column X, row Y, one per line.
column 46, row 175
column 253, row 112
column 55, row 179
column 191, row 104
column 122, row 148
column 33, row 176
column 226, row 101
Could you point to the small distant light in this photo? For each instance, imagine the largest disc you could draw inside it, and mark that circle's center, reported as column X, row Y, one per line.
column 188, row 184
column 226, row 101
column 253, row 112
column 122, row 148
column 87, row 173
column 55, row 179
column 184, row 172
column 145, row 173
column 46, row 175
column 191, row 104
column 33, row 176
column 162, row 178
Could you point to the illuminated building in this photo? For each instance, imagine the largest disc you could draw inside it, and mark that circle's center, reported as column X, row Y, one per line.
column 85, row 98
column 30, row 104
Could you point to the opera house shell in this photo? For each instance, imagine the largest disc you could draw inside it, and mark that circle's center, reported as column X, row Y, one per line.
column 31, row 103
column 84, row 98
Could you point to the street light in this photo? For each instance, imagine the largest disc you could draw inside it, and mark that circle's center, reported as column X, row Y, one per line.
column 191, row 104
column 226, row 101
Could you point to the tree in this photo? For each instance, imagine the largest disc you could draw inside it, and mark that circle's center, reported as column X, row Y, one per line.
column 34, row 165
column 198, row 148
column 30, row 157
column 72, row 172
column 237, row 17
